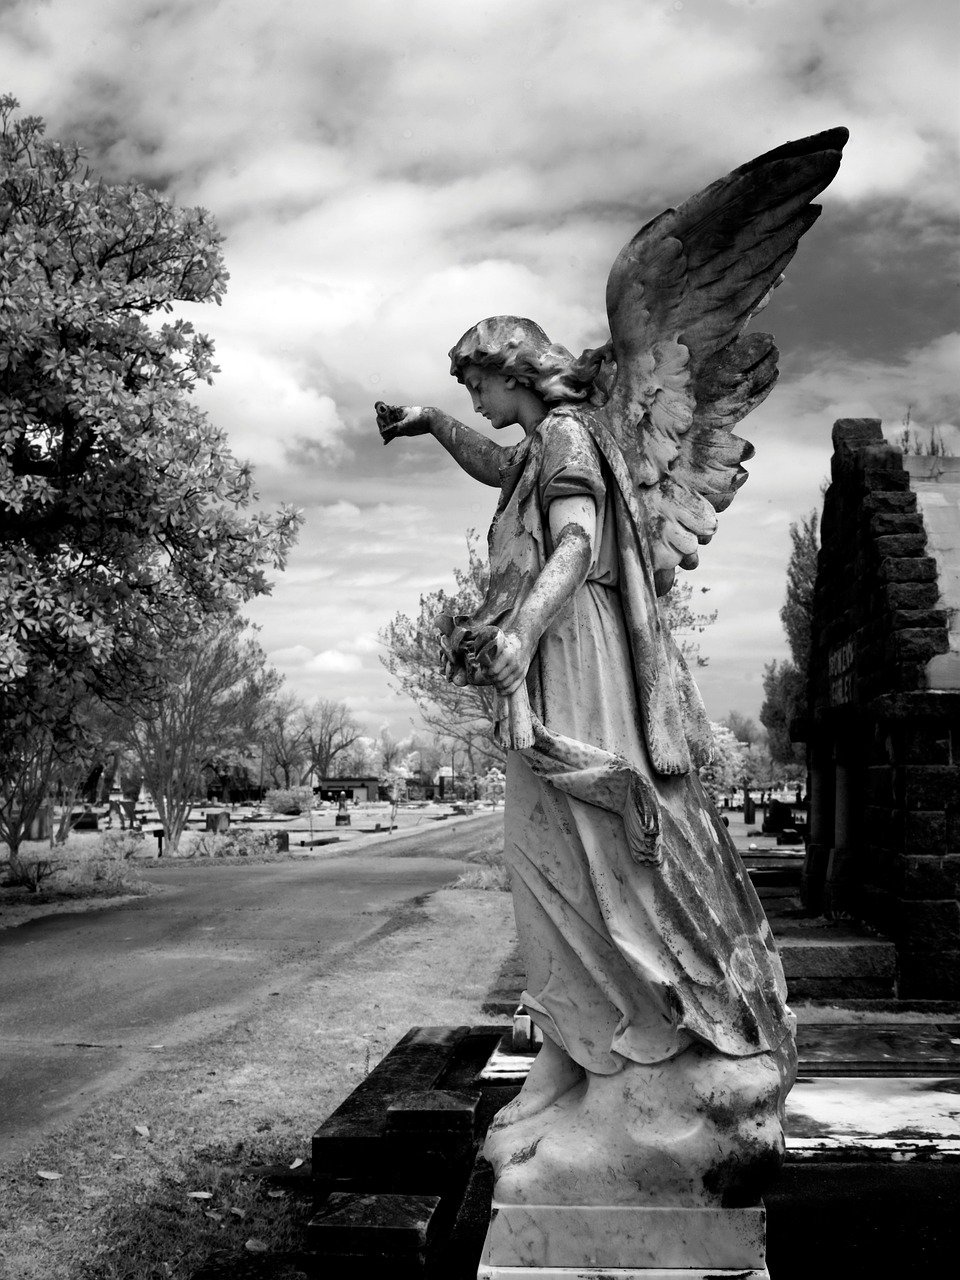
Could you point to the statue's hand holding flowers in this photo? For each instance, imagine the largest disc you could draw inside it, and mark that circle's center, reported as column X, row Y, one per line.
column 402, row 420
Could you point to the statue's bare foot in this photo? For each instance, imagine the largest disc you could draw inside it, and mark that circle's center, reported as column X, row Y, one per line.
column 553, row 1074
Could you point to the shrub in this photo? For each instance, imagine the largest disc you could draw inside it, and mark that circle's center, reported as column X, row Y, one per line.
column 290, row 800
column 29, row 873
column 235, row 844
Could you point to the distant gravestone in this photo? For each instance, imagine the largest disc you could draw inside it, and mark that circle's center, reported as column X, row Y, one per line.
column 343, row 815
column 779, row 817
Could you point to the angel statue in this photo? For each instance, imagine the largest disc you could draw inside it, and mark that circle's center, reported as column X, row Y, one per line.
column 668, row 1048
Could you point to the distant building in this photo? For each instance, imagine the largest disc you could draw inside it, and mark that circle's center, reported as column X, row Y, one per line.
column 366, row 788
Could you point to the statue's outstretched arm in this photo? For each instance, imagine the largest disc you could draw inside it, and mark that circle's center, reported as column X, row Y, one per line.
column 475, row 453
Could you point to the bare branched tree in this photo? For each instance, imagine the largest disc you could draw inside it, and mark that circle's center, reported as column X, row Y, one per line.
column 330, row 731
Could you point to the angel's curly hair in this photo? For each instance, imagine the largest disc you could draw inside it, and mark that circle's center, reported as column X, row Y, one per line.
column 520, row 349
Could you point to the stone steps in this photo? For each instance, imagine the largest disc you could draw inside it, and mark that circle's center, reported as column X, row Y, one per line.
column 825, row 960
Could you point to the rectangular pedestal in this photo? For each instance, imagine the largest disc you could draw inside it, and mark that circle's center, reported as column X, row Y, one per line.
column 580, row 1242
column 618, row 1273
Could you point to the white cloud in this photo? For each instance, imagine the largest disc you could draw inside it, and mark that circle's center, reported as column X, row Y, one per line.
column 334, row 660
column 387, row 174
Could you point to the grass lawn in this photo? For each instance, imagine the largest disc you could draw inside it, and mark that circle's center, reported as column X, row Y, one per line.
column 154, row 1180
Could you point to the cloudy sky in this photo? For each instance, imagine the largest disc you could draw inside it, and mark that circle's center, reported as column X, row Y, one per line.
column 387, row 172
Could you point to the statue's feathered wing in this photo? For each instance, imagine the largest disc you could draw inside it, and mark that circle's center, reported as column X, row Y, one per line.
column 678, row 299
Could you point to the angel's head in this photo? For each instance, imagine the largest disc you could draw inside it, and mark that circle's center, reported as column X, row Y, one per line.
column 519, row 350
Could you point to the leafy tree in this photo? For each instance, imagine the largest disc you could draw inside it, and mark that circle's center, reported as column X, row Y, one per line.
column 213, row 688
column 463, row 714
column 330, row 731
column 746, row 731
column 797, row 612
column 785, row 683
column 724, row 773
column 359, row 759
column 123, row 517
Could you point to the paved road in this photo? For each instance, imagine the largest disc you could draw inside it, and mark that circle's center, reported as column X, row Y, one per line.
column 84, row 997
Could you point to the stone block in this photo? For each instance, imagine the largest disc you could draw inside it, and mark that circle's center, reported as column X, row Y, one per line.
column 883, row 827
column 353, row 1142
column 879, row 786
column 924, row 744
column 952, row 815
column 925, row 831
column 901, row 619
column 927, row 925
column 884, row 479
column 600, row 1238
column 929, row 974
column 374, row 1227
column 895, row 502
column 909, row 569
column 931, row 786
column 850, row 435
column 929, row 877
column 918, row 644
column 912, row 595
column 885, row 524
column 901, row 544
column 850, row 958
column 449, row 1111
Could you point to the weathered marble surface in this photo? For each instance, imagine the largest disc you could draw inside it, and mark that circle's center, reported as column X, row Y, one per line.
column 492, row 1271
column 651, row 970
column 603, row 1236
column 698, row 1129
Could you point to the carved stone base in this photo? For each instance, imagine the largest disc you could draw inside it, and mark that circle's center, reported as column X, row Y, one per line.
column 587, row 1241
column 619, row 1273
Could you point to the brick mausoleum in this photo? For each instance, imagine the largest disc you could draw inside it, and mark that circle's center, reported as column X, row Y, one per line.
column 883, row 726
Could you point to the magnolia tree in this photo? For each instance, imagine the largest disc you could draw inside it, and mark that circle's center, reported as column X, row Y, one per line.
column 124, row 520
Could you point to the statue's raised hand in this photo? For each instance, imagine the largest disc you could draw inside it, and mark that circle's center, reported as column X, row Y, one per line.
column 397, row 420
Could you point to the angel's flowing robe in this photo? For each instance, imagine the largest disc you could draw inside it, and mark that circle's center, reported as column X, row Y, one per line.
column 636, row 944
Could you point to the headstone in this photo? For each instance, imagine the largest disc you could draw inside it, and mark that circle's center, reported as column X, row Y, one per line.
column 343, row 814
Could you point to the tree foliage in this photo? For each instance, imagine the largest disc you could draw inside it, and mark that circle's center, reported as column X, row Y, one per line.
column 123, row 516
column 465, row 715
column 212, row 691
column 785, row 683
column 797, row 612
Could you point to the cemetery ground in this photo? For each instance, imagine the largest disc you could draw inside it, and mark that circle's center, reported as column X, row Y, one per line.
column 157, row 1161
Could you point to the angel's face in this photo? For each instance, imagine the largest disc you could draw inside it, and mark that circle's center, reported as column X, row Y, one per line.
column 495, row 396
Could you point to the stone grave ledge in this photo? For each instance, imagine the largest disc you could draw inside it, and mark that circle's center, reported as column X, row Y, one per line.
column 873, row 1148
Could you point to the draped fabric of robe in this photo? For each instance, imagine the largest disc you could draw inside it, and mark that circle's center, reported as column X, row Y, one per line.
column 640, row 929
